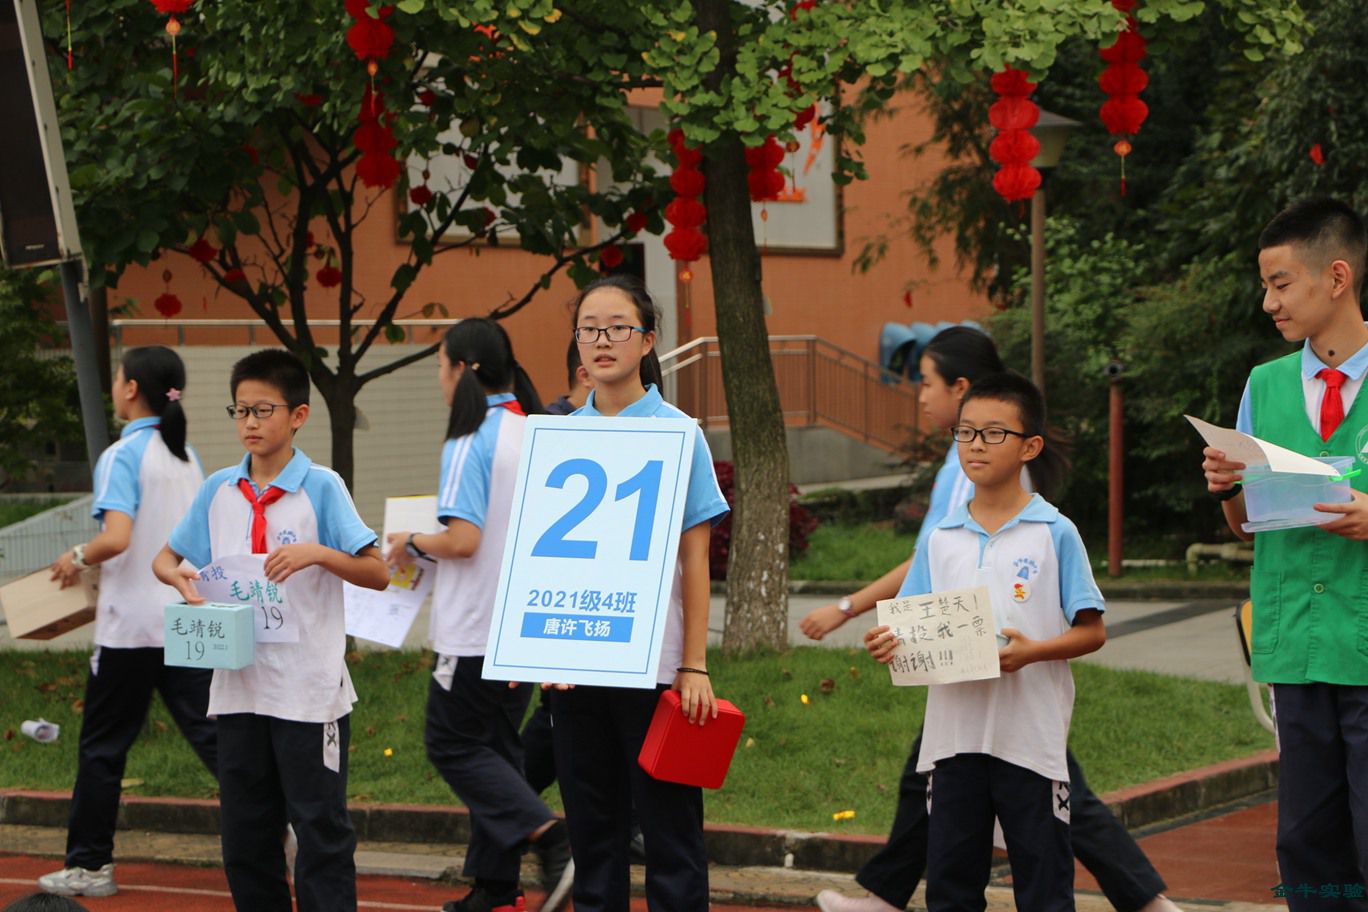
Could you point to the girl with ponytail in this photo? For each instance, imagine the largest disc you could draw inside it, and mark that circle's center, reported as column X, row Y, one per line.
column 144, row 483
column 471, row 732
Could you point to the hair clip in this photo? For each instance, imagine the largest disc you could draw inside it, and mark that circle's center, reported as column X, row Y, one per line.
column 173, row 394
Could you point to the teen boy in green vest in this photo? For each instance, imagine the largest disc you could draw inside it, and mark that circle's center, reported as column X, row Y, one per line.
column 1310, row 585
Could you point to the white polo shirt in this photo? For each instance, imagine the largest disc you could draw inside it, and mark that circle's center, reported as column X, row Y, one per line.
column 479, row 471
column 1037, row 574
column 703, row 502
column 306, row 681
column 139, row 477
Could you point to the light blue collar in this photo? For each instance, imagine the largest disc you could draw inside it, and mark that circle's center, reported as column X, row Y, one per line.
column 1353, row 367
column 644, row 407
column 289, row 479
column 1037, row 509
column 138, row 424
column 499, row 399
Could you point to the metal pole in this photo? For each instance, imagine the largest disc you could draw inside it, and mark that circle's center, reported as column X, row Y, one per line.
column 86, row 360
column 1038, row 288
column 1115, row 509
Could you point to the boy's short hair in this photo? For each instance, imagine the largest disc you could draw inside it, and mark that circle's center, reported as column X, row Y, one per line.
column 1330, row 229
column 278, row 368
column 1012, row 388
column 45, row 902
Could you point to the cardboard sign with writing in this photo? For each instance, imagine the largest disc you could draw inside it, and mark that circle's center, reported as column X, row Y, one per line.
column 943, row 637
column 36, row 609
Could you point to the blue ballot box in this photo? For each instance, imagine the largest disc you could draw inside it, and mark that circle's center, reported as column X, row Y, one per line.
column 1284, row 500
column 212, row 635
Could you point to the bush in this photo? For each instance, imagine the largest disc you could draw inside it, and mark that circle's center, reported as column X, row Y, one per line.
column 801, row 523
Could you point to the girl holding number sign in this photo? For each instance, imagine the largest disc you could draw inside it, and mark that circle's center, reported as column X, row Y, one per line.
column 143, row 483
column 599, row 731
column 472, row 724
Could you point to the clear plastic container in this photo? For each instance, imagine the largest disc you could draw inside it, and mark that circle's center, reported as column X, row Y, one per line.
column 1283, row 500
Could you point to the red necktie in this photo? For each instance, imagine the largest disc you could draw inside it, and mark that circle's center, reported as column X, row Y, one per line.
column 259, row 505
column 1332, row 406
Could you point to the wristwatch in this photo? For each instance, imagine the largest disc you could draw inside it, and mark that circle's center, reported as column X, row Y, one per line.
column 846, row 606
column 78, row 557
column 412, row 549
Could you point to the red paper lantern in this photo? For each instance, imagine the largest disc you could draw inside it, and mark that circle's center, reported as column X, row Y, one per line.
column 766, row 183
column 168, row 305
column 611, row 257
column 1013, row 114
column 636, row 222
column 685, row 212
column 202, row 251
column 1317, row 155
column 1123, row 80
column 172, row 7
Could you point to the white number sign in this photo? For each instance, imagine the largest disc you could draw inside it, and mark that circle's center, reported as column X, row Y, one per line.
column 590, row 556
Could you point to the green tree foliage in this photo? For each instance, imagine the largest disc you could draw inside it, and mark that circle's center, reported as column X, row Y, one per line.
column 38, row 402
column 253, row 150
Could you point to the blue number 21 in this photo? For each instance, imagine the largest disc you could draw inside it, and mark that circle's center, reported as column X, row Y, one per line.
column 646, row 484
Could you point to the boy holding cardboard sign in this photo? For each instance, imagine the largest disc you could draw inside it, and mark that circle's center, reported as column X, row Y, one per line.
column 283, row 720
column 997, row 746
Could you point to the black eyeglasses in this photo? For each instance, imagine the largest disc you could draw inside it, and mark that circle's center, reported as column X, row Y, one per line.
column 963, row 433
column 618, row 332
column 263, row 410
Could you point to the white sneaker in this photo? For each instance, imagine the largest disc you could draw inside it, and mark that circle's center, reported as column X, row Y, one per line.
column 831, row 901
column 80, row 882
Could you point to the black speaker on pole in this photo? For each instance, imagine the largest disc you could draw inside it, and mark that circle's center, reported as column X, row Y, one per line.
column 37, row 220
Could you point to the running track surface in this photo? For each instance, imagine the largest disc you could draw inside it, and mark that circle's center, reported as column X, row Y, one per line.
column 177, row 888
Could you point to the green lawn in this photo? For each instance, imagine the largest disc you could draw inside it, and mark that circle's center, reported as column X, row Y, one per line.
column 798, row 764
column 12, row 511
column 844, row 552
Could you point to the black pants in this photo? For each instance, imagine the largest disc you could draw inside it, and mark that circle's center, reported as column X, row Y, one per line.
column 966, row 792
column 539, row 751
column 117, row 696
column 472, row 740
column 1099, row 841
column 272, row 772
column 598, row 734
column 1322, row 794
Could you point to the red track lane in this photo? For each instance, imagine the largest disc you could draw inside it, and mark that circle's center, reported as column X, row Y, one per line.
column 182, row 888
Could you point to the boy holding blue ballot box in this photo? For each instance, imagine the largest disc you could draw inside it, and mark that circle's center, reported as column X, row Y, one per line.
column 997, row 747
column 283, row 720
column 1310, row 630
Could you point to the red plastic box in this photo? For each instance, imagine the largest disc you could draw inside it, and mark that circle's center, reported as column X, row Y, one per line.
column 677, row 751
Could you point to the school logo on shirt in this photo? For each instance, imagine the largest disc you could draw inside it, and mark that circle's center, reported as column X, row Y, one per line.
column 286, row 537
column 1026, row 569
column 1361, row 444
column 1020, row 593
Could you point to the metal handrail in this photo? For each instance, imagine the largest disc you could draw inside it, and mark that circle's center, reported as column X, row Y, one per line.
column 820, row 384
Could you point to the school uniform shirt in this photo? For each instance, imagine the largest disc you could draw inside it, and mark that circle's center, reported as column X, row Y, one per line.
column 1307, row 585
column 703, row 502
column 1312, row 387
column 479, row 472
column 138, row 476
column 305, row 681
column 1037, row 574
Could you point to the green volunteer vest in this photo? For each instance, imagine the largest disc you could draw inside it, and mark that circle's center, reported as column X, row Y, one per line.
column 1309, row 588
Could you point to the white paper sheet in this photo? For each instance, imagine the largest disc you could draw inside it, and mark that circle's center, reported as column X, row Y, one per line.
column 385, row 617
column 409, row 514
column 240, row 579
column 1252, row 451
column 943, row 637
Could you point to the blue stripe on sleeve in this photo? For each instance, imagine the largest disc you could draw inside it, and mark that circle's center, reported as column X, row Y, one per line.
column 339, row 526
column 703, row 501
column 918, row 579
column 117, row 476
column 190, row 539
column 1077, row 588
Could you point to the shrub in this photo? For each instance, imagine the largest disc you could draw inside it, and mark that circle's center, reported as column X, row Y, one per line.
column 801, row 523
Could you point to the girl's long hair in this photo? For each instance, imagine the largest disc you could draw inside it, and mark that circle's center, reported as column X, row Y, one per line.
column 962, row 351
column 484, row 348
column 158, row 370
column 648, row 317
